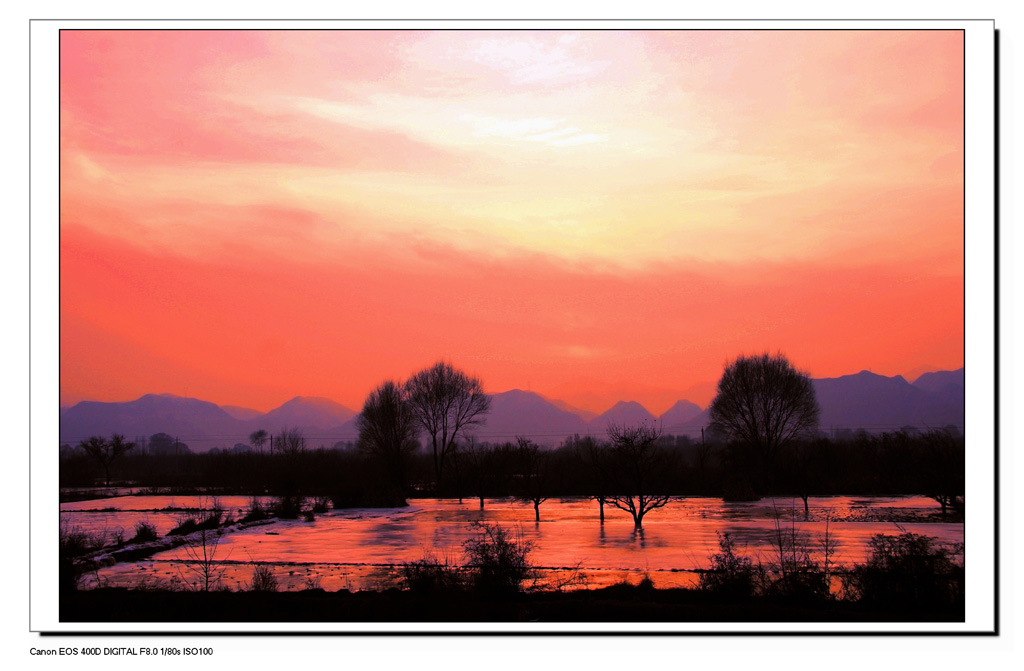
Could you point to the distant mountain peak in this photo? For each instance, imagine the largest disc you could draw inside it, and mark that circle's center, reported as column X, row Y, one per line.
column 585, row 415
column 314, row 412
column 683, row 403
column 513, row 393
column 312, row 400
column 682, row 411
column 624, row 412
column 866, row 376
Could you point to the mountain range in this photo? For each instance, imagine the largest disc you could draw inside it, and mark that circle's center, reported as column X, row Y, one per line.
column 863, row 400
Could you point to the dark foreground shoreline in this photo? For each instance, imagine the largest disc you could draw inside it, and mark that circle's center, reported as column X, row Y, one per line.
column 611, row 604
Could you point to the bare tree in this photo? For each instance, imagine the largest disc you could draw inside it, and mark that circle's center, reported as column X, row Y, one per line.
column 532, row 481
column 258, row 439
column 765, row 403
column 481, row 463
column 290, row 442
column 596, row 461
column 703, row 460
column 640, row 470
column 388, row 428
column 105, row 452
column 201, row 559
column 942, row 462
column 446, row 401
column 290, row 479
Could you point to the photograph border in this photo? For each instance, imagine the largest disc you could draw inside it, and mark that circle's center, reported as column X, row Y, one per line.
column 41, row 410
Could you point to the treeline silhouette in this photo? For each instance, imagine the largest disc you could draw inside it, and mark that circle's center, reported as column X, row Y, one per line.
column 897, row 463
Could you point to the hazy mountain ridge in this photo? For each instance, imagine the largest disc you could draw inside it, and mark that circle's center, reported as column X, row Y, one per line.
column 238, row 412
column 874, row 402
column 311, row 412
column 943, row 381
column 547, row 422
column 622, row 413
column 880, row 403
column 679, row 415
column 149, row 414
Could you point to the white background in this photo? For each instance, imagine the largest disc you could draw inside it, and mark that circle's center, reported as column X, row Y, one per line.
column 480, row 652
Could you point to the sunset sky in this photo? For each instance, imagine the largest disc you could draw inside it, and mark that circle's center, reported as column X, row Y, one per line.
column 595, row 216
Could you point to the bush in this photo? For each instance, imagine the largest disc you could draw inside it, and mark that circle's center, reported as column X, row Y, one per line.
column 74, row 542
column 796, row 574
column 263, row 579
column 730, row 576
column 289, row 507
column 255, row 511
column 201, row 520
column 144, row 532
column 908, row 569
column 498, row 559
column 432, row 574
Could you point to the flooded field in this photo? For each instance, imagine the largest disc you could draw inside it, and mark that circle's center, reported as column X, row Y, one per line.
column 364, row 548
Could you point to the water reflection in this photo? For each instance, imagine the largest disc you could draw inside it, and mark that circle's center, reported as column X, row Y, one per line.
column 349, row 546
column 638, row 537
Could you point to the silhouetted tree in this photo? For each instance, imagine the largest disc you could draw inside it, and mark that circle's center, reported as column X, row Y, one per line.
column 290, row 479
column 532, row 472
column 765, row 403
column 166, row 445
column 105, row 452
column 942, row 468
column 806, row 468
column 482, row 464
column 387, row 430
column 703, row 460
column 258, row 439
column 640, row 469
column 446, row 401
column 596, row 461
column 290, row 442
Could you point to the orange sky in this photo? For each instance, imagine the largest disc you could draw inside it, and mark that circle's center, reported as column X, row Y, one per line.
column 596, row 216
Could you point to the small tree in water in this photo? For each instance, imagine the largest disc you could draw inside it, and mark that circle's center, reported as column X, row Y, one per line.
column 595, row 458
column 640, row 470
column 532, row 482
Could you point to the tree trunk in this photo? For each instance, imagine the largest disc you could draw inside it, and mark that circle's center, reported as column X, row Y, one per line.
column 536, row 510
column 807, row 510
column 481, row 502
column 601, row 503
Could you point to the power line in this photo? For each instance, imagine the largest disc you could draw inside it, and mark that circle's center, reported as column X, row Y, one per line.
column 512, row 434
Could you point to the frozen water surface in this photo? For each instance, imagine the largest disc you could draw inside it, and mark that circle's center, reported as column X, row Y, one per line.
column 364, row 548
